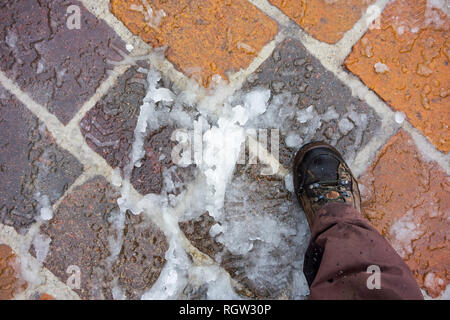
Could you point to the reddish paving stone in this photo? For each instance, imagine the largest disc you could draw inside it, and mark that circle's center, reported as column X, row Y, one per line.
column 10, row 281
column 109, row 130
column 408, row 200
column 310, row 102
column 204, row 37
column 412, row 50
column 81, row 231
column 32, row 166
column 325, row 20
column 60, row 68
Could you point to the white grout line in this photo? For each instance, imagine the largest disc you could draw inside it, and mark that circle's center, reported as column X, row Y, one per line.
column 100, row 8
column 427, row 150
column 68, row 137
column 103, row 89
column 85, row 176
column 237, row 79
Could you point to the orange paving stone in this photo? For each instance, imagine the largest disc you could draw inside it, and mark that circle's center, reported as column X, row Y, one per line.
column 46, row 296
column 10, row 283
column 204, row 37
column 406, row 62
column 408, row 200
column 325, row 20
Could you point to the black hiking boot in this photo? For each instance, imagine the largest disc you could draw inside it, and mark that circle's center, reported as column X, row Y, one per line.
column 321, row 176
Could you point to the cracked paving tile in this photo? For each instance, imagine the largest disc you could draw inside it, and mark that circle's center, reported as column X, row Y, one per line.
column 34, row 171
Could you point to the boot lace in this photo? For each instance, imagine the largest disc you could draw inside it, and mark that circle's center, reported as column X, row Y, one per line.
column 330, row 190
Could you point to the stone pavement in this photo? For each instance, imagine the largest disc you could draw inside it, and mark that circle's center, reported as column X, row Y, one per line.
column 96, row 97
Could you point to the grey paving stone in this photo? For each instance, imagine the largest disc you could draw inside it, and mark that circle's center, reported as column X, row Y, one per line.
column 59, row 67
column 33, row 169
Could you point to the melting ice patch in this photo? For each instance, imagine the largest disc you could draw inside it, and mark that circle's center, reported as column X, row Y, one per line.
column 41, row 245
column 399, row 117
column 46, row 211
column 380, row 67
column 403, row 232
column 268, row 244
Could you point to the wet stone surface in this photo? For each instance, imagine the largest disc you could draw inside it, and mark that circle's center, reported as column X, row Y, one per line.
column 229, row 34
column 112, row 250
column 411, row 209
column 406, row 61
column 59, row 67
column 310, row 104
column 34, row 172
column 267, row 259
column 10, row 281
column 197, row 231
column 109, row 130
column 325, row 20
column 109, row 127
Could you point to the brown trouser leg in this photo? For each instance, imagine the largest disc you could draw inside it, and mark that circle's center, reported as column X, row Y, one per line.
column 343, row 245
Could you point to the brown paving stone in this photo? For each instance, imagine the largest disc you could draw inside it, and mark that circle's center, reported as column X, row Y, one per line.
column 32, row 166
column 109, row 130
column 416, row 51
column 408, row 200
column 204, row 37
column 60, row 68
column 10, row 281
column 81, row 230
column 109, row 127
column 197, row 232
column 325, row 20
